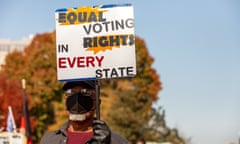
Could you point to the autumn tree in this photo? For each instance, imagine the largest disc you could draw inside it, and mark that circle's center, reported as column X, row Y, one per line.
column 157, row 130
column 126, row 102
column 37, row 65
column 10, row 95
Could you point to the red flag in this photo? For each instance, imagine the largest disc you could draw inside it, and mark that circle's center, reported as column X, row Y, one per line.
column 29, row 141
column 25, row 121
column 22, row 128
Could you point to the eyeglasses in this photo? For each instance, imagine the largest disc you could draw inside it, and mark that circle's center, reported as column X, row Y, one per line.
column 84, row 92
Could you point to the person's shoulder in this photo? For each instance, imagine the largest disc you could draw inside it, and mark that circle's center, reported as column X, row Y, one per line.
column 54, row 137
column 48, row 137
column 118, row 139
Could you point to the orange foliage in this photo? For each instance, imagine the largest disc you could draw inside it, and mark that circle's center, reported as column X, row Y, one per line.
column 10, row 95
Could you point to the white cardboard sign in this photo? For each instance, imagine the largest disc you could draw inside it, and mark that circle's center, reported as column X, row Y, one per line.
column 95, row 42
column 12, row 138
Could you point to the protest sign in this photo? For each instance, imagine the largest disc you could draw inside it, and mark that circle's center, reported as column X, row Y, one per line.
column 12, row 138
column 95, row 42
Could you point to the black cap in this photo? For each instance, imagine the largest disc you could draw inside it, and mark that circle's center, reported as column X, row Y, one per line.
column 68, row 85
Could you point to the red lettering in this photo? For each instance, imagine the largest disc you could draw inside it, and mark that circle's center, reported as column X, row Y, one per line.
column 71, row 63
column 62, row 62
column 99, row 60
column 80, row 62
column 90, row 60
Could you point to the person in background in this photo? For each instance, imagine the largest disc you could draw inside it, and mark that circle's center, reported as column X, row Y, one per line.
column 139, row 141
column 81, row 126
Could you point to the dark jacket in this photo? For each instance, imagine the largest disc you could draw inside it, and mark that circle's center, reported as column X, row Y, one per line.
column 60, row 137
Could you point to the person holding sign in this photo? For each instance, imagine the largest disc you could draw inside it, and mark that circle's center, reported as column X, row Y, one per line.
column 82, row 127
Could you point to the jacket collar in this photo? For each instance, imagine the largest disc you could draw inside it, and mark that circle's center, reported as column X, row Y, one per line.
column 63, row 129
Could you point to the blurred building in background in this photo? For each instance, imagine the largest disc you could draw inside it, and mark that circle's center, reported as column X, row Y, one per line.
column 8, row 45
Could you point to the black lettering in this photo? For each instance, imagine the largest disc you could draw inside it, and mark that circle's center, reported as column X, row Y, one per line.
column 97, row 28
column 82, row 17
column 119, row 24
column 106, row 25
column 103, row 42
column 71, row 17
column 124, row 39
column 129, row 71
column 98, row 73
column 121, row 70
column 114, row 73
column 61, row 17
column 129, row 23
column 131, row 40
column 87, row 30
column 111, row 40
column 95, row 42
column 92, row 17
column 112, row 23
column 114, row 41
column 101, row 19
column 87, row 42
column 106, row 72
column 62, row 48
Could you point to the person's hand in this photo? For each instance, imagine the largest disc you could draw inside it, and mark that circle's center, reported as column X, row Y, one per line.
column 101, row 133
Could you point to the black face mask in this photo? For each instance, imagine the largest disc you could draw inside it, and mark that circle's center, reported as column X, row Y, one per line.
column 79, row 103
